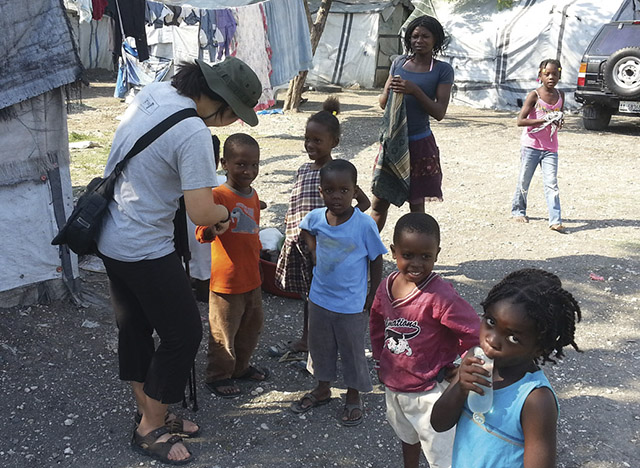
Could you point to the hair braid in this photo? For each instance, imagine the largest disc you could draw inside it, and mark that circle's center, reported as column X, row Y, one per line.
column 553, row 309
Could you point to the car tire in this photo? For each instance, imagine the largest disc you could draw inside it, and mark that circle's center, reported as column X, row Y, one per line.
column 622, row 72
column 595, row 117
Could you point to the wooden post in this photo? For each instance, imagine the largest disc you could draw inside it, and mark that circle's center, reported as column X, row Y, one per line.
column 294, row 93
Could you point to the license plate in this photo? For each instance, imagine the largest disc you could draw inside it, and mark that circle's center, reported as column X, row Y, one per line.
column 629, row 106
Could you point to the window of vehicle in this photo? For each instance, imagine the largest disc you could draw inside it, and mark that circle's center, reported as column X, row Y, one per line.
column 614, row 37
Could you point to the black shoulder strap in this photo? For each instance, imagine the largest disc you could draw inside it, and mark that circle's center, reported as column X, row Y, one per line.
column 148, row 138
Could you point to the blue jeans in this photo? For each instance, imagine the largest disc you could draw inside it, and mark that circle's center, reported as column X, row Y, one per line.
column 548, row 161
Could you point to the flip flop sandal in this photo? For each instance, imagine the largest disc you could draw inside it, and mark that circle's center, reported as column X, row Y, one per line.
column 281, row 348
column 348, row 408
column 297, row 407
column 291, row 356
column 300, row 365
column 175, row 425
column 251, row 373
column 215, row 385
column 148, row 445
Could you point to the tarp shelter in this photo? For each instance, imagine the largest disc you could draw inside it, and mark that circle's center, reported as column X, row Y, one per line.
column 496, row 54
column 38, row 61
column 94, row 38
column 358, row 40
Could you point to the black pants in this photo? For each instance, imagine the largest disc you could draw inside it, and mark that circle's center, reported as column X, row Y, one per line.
column 155, row 295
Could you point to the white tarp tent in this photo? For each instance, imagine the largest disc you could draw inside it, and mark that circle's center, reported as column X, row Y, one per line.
column 496, row 54
column 94, row 40
column 357, row 41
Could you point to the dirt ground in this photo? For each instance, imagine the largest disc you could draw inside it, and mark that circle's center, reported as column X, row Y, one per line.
column 63, row 405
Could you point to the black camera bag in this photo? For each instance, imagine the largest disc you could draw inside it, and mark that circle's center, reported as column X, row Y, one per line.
column 82, row 229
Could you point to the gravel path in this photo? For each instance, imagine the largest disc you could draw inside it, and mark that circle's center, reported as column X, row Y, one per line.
column 63, row 405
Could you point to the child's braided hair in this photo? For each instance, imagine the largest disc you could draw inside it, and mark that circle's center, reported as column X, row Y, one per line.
column 546, row 62
column 553, row 309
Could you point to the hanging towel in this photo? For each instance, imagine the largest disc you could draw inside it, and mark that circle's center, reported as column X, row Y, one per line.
column 392, row 171
column 288, row 32
column 251, row 45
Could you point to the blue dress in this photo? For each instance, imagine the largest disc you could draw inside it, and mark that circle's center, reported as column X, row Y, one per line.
column 499, row 442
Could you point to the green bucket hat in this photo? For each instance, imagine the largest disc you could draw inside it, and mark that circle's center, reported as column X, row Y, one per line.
column 236, row 83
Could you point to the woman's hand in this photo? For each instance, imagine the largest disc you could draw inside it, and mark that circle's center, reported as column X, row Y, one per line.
column 436, row 108
column 398, row 85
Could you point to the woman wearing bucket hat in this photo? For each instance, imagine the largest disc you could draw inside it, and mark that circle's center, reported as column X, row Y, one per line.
column 149, row 288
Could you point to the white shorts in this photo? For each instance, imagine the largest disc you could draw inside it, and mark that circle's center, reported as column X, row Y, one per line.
column 409, row 414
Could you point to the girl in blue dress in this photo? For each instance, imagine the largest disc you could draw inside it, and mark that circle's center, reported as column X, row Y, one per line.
column 528, row 319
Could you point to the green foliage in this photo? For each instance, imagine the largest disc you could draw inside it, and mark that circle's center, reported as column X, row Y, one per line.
column 503, row 4
column 74, row 136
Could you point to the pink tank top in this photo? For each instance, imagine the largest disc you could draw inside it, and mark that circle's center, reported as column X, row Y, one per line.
column 543, row 139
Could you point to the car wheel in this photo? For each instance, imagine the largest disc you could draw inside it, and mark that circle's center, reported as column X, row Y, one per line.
column 595, row 117
column 622, row 72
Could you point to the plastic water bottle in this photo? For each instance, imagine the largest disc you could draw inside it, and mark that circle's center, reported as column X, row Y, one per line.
column 481, row 404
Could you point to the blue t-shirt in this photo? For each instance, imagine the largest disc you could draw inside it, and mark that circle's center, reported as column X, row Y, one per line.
column 340, row 276
column 417, row 117
column 499, row 442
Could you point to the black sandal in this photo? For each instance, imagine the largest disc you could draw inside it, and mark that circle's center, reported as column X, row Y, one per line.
column 252, row 374
column 148, row 445
column 175, row 425
column 214, row 387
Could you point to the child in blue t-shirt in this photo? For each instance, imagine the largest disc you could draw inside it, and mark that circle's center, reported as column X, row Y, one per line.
column 345, row 246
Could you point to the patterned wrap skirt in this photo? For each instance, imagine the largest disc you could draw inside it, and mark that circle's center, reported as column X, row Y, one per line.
column 426, row 173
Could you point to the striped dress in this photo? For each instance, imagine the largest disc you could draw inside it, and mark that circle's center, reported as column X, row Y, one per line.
column 294, row 268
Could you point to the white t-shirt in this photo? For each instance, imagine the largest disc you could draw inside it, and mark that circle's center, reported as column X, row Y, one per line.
column 139, row 222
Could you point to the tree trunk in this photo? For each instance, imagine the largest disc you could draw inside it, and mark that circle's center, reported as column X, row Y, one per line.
column 294, row 93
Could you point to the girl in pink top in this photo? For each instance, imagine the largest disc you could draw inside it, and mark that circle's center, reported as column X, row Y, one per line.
column 542, row 116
